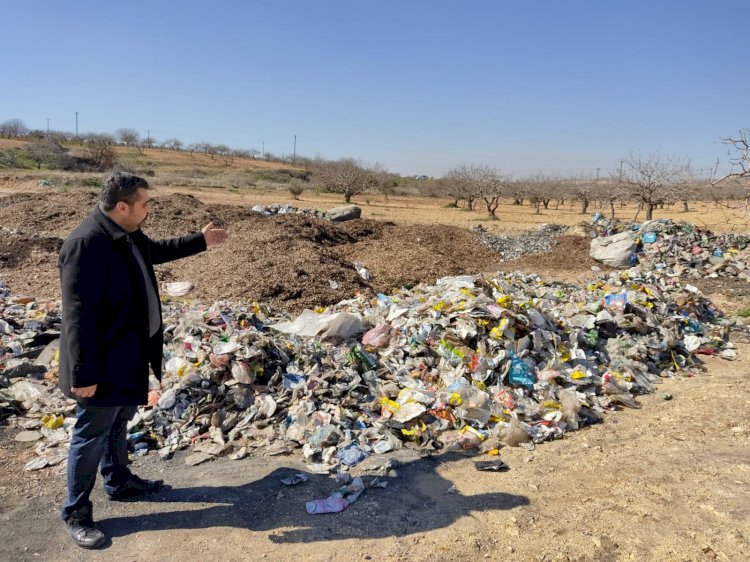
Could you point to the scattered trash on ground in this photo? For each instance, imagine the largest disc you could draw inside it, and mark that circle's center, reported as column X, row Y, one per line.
column 468, row 363
column 674, row 248
column 539, row 240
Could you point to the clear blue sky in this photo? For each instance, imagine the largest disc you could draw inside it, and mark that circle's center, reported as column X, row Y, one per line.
column 418, row 86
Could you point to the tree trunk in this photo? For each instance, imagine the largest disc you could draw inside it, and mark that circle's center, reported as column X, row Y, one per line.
column 492, row 208
column 545, row 202
column 584, row 205
column 685, row 208
column 347, row 197
column 612, row 208
column 650, row 212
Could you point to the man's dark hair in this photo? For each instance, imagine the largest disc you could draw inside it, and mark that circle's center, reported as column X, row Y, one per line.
column 121, row 186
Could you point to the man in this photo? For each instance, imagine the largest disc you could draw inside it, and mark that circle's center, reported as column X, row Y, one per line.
column 111, row 336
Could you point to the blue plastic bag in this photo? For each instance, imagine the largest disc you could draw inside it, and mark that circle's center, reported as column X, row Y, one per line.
column 520, row 373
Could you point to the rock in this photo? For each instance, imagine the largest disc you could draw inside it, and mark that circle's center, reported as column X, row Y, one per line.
column 344, row 213
column 197, row 458
column 28, row 436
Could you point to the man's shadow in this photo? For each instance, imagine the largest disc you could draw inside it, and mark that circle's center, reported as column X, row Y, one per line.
column 416, row 499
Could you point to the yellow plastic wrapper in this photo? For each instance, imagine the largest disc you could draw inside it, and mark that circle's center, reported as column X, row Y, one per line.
column 468, row 428
column 496, row 333
column 480, row 385
column 503, row 300
column 389, row 404
column 416, row 430
column 53, row 421
column 440, row 305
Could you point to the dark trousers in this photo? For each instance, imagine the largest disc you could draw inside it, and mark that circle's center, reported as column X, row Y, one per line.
column 99, row 438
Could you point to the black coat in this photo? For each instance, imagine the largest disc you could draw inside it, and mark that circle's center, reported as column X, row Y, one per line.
column 105, row 336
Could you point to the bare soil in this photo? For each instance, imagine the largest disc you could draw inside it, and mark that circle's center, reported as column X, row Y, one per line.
column 669, row 481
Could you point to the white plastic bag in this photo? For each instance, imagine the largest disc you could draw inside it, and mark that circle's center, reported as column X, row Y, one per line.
column 614, row 250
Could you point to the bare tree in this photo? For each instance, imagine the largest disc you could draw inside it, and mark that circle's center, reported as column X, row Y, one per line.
column 207, row 148
column 225, row 153
column 45, row 152
column 654, row 180
column 456, row 183
column 580, row 188
column 346, row 176
column 128, row 137
column 13, row 128
column 609, row 191
column 100, row 152
column 241, row 153
column 739, row 155
column 540, row 189
column 149, row 142
column 173, row 143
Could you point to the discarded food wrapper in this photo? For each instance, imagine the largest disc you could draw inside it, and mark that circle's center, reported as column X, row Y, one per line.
column 178, row 288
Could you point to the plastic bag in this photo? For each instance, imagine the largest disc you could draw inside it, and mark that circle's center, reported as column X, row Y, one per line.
column 519, row 372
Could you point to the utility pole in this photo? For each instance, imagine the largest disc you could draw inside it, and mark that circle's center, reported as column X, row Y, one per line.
column 76, row 124
column 47, row 126
column 294, row 154
column 597, row 173
column 263, row 149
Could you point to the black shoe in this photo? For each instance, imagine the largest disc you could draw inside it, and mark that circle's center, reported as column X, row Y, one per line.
column 80, row 526
column 135, row 486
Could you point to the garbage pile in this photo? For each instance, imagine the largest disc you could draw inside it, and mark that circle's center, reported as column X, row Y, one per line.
column 537, row 241
column 336, row 214
column 471, row 362
column 677, row 248
column 286, row 209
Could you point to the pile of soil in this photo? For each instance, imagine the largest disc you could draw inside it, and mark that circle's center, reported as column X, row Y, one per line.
column 289, row 262
column 569, row 261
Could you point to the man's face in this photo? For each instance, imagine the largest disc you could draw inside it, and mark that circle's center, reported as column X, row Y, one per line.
column 134, row 215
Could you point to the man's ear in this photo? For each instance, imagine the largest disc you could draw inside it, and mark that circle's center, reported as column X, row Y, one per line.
column 121, row 206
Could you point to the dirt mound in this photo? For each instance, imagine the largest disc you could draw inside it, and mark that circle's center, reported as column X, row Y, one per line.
column 293, row 261
column 15, row 250
column 53, row 214
column 568, row 261
column 288, row 261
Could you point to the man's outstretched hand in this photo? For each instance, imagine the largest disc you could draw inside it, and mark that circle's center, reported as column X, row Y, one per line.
column 214, row 236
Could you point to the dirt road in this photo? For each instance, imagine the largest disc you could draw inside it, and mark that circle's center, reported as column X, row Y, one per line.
column 667, row 482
